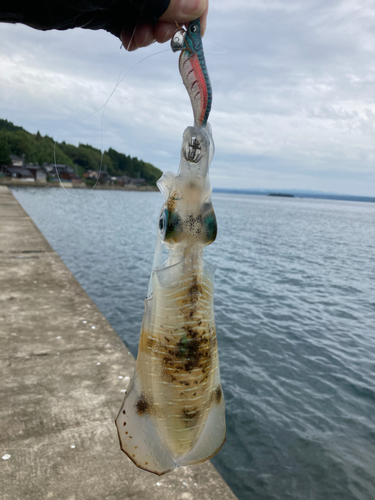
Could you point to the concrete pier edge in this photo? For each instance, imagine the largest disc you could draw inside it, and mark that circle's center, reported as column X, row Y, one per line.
column 63, row 372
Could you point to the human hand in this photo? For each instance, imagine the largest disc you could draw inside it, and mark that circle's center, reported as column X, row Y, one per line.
column 180, row 11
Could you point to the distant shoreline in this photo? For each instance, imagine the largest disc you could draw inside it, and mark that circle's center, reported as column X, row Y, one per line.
column 69, row 185
column 283, row 195
column 298, row 194
column 131, row 187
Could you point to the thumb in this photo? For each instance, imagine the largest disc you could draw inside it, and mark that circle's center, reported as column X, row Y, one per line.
column 184, row 11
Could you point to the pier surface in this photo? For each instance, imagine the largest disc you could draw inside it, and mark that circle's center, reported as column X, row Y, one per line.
column 63, row 373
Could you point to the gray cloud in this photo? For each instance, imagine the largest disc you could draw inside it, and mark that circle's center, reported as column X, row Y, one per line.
column 293, row 95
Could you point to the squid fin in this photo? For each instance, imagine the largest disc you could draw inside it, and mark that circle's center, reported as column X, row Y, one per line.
column 212, row 438
column 139, row 438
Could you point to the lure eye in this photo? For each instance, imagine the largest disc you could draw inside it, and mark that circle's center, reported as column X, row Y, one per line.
column 194, row 28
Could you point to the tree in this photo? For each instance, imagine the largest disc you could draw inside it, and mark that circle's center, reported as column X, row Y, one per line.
column 4, row 148
column 38, row 148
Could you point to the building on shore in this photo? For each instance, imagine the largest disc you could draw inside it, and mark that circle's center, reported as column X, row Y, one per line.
column 58, row 169
column 61, row 172
column 18, row 170
column 16, row 161
column 19, row 173
column 37, row 172
column 28, row 172
column 138, row 182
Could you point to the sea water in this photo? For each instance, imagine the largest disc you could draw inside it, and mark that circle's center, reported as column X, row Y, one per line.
column 295, row 315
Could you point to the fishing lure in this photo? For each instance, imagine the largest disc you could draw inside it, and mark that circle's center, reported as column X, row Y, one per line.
column 173, row 413
column 193, row 70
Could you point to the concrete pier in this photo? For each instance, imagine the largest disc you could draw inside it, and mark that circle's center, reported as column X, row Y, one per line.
column 63, row 373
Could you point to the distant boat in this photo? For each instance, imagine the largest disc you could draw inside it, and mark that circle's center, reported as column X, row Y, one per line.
column 282, row 194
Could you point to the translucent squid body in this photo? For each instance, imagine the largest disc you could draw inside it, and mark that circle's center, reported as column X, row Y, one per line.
column 173, row 413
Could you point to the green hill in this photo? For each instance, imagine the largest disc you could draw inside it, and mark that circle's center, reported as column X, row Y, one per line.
column 39, row 149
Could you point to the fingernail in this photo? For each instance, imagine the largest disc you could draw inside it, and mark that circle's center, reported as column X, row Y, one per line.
column 147, row 40
column 128, row 42
column 144, row 41
column 168, row 34
column 131, row 46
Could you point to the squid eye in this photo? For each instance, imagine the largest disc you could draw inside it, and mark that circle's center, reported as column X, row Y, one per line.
column 163, row 223
column 169, row 225
column 210, row 226
column 194, row 28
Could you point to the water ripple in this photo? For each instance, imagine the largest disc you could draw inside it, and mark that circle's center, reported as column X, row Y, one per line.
column 295, row 312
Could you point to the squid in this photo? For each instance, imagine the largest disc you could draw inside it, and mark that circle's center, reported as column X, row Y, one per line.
column 173, row 413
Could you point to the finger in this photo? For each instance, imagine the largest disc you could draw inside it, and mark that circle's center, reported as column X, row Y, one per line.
column 184, row 11
column 204, row 19
column 142, row 36
column 164, row 31
column 180, row 11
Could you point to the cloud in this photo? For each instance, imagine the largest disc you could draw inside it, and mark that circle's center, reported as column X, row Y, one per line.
column 293, row 95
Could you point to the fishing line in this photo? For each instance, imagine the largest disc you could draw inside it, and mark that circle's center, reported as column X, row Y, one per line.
column 220, row 51
column 104, row 107
column 101, row 107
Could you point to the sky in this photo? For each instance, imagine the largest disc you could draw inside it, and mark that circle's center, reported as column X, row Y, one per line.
column 293, row 93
